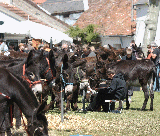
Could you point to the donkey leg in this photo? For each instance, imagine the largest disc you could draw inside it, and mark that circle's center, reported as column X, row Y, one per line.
column 69, row 98
column 127, row 102
column 146, row 95
column 17, row 115
column 2, row 133
column 152, row 97
column 120, row 105
column 9, row 132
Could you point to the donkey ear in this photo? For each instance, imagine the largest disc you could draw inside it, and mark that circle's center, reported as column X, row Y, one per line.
column 30, row 56
column 52, row 62
column 65, row 61
column 43, row 107
column 41, row 54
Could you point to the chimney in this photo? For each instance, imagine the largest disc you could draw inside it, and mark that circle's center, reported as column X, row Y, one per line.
column 86, row 7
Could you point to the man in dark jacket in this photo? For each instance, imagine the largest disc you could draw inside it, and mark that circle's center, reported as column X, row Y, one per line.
column 116, row 91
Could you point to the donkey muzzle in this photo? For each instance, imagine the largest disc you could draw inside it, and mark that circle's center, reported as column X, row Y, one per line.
column 37, row 88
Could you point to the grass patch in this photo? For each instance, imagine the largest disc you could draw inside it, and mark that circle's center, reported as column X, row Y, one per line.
column 131, row 122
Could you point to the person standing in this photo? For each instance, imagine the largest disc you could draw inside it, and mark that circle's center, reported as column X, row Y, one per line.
column 155, row 58
column 129, row 55
column 3, row 46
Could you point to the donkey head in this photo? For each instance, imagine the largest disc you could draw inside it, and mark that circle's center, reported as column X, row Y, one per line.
column 39, row 125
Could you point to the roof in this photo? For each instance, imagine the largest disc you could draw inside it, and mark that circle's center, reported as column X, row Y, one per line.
column 63, row 6
column 111, row 17
column 23, row 8
column 39, row 1
column 18, row 13
column 141, row 2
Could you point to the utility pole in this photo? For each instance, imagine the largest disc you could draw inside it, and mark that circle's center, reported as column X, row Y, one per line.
column 151, row 24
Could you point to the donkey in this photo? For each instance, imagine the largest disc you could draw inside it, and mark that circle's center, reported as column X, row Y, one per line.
column 68, row 75
column 14, row 89
column 142, row 70
column 36, row 68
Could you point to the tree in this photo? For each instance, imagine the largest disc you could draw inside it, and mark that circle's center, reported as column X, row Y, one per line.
column 86, row 34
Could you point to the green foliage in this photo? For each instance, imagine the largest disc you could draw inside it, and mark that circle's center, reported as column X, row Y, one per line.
column 86, row 34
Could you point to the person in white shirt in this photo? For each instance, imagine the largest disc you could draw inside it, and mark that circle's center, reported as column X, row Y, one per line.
column 3, row 46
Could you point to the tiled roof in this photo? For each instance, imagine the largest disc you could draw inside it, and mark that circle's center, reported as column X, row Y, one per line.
column 20, row 13
column 20, row 9
column 113, row 17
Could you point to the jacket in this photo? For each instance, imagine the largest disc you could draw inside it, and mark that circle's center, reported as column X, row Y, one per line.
column 118, row 87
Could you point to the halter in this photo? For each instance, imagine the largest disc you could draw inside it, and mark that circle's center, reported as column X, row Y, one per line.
column 61, row 75
column 49, row 69
column 27, row 79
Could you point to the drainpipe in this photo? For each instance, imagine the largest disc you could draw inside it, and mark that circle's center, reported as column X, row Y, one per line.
column 120, row 37
column 151, row 24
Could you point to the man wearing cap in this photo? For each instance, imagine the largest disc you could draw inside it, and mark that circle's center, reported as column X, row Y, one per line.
column 3, row 46
column 155, row 58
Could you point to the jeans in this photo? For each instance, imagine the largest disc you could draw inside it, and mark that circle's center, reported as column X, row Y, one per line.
column 156, row 78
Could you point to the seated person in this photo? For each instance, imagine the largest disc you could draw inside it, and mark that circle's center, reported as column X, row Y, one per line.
column 116, row 91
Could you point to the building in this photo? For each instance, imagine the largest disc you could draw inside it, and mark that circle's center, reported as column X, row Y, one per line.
column 16, row 11
column 65, row 10
column 115, row 21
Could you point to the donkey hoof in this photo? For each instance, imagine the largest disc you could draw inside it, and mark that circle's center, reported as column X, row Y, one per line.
column 151, row 108
column 142, row 109
column 119, row 108
column 68, row 109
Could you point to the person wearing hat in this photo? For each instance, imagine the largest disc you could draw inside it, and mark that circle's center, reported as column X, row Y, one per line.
column 3, row 46
column 155, row 58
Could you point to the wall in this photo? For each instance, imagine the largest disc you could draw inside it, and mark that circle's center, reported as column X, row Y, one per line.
column 141, row 11
column 116, row 40
column 71, row 19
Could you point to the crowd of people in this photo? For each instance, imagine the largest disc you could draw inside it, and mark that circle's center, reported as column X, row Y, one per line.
column 22, row 47
column 152, row 54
